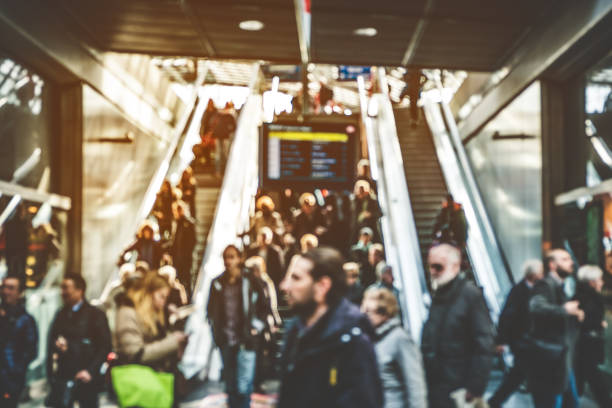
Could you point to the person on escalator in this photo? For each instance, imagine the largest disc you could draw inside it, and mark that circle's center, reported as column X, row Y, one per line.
column 163, row 210
column 148, row 248
column 414, row 79
column 183, row 243
column 309, row 219
column 187, row 186
column 450, row 224
column 223, row 125
column 366, row 211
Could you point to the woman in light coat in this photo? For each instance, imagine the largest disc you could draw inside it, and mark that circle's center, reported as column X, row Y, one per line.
column 141, row 334
column 399, row 359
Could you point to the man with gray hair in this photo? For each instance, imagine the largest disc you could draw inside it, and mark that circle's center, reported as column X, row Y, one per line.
column 457, row 341
column 513, row 328
column 590, row 351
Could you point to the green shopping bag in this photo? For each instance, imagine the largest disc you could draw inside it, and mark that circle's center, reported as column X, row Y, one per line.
column 141, row 386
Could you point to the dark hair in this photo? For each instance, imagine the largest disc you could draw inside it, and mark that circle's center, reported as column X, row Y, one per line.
column 235, row 248
column 21, row 283
column 328, row 262
column 78, row 280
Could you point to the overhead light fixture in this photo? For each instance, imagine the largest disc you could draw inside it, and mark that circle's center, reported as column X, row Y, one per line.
column 366, row 31
column 251, row 25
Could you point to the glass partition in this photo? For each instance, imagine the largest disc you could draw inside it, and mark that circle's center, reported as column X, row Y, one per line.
column 506, row 161
column 24, row 126
column 119, row 161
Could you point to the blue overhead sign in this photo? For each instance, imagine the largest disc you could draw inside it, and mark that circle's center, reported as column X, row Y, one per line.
column 351, row 72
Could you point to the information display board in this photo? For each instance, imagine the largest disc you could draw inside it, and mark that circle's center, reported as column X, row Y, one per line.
column 306, row 156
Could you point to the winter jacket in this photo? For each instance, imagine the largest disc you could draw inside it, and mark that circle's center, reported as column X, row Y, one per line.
column 151, row 255
column 457, row 342
column 18, row 347
column 135, row 344
column 550, row 323
column 89, row 341
column 514, row 322
column 331, row 364
column 400, row 367
column 591, row 342
column 254, row 305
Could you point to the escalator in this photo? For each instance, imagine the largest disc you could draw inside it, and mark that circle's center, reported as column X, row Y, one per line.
column 424, row 177
column 415, row 167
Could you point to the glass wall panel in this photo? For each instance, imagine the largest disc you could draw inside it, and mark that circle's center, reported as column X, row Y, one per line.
column 24, row 126
column 119, row 161
column 506, row 160
column 598, row 120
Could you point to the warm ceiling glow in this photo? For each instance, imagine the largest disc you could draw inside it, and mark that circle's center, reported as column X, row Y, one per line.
column 366, row 31
column 251, row 25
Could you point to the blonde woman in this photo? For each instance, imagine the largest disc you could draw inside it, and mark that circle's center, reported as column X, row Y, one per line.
column 141, row 334
column 399, row 359
column 258, row 265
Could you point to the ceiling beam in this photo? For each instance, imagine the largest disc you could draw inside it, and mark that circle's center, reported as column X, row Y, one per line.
column 191, row 15
column 542, row 48
column 415, row 40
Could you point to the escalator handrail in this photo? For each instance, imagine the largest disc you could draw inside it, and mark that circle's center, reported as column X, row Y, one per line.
column 400, row 238
column 190, row 120
column 490, row 269
column 232, row 215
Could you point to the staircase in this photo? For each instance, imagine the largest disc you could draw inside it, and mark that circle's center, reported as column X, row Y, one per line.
column 208, row 188
column 424, row 178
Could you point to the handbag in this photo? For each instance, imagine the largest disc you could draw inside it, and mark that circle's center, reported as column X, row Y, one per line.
column 140, row 386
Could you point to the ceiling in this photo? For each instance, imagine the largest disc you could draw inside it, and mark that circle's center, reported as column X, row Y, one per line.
column 476, row 35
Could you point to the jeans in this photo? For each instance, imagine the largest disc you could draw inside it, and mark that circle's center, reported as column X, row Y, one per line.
column 238, row 372
column 569, row 399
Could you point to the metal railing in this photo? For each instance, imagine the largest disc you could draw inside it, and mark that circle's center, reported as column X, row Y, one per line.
column 398, row 227
column 486, row 257
column 232, row 215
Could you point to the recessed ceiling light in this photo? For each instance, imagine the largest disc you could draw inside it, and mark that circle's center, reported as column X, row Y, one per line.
column 251, row 25
column 366, row 31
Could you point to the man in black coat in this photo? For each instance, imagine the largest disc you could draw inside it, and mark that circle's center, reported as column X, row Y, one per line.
column 265, row 248
column 78, row 343
column 183, row 242
column 554, row 330
column 328, row 358
column 309, row 219
column 590, row 351
column 513, row 327
column 237, row 311
column 457, row 342
column 18, row 342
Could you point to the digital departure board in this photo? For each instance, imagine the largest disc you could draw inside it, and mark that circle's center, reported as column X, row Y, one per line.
column 308, row 155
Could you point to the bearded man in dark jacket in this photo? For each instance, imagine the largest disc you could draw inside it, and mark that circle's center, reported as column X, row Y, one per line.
column 457, row 343
column 555, row 323
column 328, row 359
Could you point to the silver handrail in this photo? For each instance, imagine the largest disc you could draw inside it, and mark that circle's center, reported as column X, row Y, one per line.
column 399, row 230
column 232, row 215
column 485, row 254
